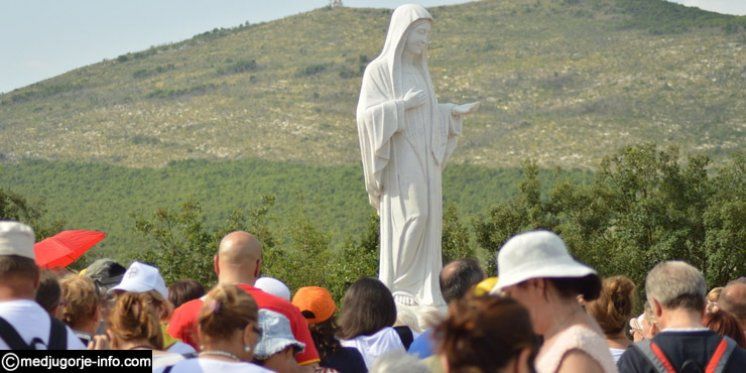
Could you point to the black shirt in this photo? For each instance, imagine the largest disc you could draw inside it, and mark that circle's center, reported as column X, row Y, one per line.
column 679, row 346
column 346, row 359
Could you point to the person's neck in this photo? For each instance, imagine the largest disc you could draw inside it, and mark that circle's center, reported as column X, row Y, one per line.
column 88, row 328
column 680, row 318
column 235, row 279
column 618, row 340
column 8, row 293
column 135, row 344
column 568, row 313
column 230, row 347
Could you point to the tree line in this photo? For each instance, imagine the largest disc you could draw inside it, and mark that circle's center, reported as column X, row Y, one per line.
column 642, row 205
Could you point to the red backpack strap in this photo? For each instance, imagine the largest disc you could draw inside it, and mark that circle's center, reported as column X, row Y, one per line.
column 720, row 358
column 655, row 356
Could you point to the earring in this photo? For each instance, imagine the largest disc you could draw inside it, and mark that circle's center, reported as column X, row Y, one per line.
column 246, row 348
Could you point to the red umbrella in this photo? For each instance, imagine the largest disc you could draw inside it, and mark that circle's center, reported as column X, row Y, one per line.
column 65, row 247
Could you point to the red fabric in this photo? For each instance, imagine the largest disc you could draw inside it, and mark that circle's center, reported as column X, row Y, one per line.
column 65, row 247
column 183, row 323
column 715, row 360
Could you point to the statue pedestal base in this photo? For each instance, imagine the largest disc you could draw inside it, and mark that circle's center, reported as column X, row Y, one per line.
column 419, row 318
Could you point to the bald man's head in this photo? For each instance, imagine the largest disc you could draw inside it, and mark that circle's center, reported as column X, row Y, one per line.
column 239, row 258
column 733, row 299
column 457, row 277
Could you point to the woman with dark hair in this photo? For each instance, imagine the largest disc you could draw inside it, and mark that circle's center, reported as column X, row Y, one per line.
column 726, row 325
column 612, row 310
column 183, row 291
column 486, row 334
column 366, row 320
column 318, row 307
column 536, row 270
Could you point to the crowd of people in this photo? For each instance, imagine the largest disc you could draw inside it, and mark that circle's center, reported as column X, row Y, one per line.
column 545, row 312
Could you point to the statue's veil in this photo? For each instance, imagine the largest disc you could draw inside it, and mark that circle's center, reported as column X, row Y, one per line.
column 403, row 20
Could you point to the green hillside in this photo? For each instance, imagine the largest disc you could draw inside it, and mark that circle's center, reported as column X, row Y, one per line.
column 111, row 198
column 562, row 82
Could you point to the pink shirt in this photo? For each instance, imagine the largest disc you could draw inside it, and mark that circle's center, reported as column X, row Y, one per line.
column 576, row 337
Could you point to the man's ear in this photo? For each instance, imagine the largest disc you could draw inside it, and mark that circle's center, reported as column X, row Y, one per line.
column 258, row 269
column 656, row 307
column 523, row 365
column 215, row 265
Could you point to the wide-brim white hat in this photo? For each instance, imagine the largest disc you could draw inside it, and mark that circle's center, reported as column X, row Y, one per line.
column 536, row 254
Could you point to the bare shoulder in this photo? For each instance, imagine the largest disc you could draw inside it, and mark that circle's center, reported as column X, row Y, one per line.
column 578, row 361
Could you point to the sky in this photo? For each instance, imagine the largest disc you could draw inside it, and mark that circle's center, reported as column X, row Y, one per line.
column 40, row 39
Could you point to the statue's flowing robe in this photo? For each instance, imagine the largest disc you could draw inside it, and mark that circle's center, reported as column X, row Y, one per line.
column 404, row 153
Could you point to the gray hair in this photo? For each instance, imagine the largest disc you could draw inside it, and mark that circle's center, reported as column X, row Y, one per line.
column 398, row 362
column 676, row 284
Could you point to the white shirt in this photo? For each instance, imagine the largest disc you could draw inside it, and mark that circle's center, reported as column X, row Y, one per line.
column 181, row 348
column 31, row 321
column 210, row 365
column 373, row 346
column 616, row 353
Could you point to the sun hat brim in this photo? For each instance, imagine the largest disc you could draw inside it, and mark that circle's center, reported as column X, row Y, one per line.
column 569, row 269
column 265, row 350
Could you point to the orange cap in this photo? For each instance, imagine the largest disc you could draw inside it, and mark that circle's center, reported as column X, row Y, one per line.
column 317, row 301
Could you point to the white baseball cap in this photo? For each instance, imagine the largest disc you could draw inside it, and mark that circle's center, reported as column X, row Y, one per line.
column 536, row 254
column 140, row 278
column 273, row 286
column 16, row 239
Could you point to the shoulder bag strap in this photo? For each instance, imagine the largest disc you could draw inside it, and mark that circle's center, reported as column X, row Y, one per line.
column 720, row 358
column 655, row 356
column 10, row 335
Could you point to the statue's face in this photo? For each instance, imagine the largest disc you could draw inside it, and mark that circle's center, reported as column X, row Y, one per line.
column 418, row 38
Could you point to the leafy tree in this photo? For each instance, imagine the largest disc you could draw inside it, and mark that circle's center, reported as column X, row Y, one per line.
column 645, row 205
column 16, row 207
column 358, row 258
column 456, row 238
column 183, row 247
column 725, row 223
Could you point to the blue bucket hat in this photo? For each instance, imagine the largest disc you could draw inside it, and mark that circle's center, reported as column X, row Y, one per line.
column 276, row 335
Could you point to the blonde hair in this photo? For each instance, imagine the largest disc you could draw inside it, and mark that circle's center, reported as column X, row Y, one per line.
column 134, row 318
column 226, row 309
column 613, row 308
column 714, row 294
column 80, row 300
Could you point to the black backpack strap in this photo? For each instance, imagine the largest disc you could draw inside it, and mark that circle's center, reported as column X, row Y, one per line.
column 57, row 335
column 10, row 335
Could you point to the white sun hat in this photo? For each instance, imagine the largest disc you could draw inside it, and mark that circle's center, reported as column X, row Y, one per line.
column 536, row 254
column 16, row 239
column 140, row 278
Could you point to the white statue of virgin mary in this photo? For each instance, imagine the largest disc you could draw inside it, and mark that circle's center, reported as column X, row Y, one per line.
column 406, row 137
